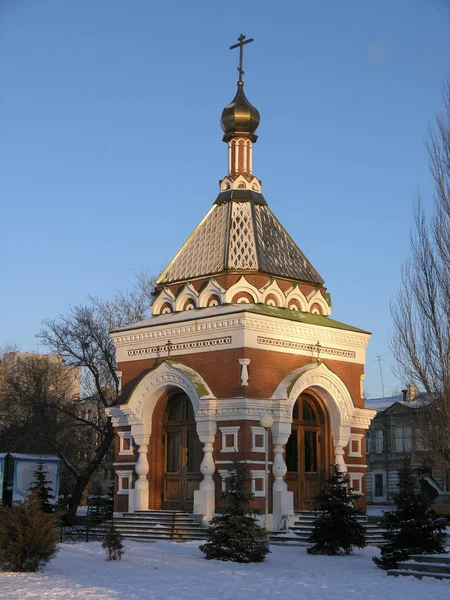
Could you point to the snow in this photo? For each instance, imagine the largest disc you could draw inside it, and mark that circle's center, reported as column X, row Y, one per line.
column 171, row 571
column 374, row 510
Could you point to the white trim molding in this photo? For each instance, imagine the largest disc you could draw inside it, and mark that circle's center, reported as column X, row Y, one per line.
column 223, row 479
column 233, row 431
column 261, row 477
column 123, row 451
column 123, row 475
column 355, row 437
column 356, row 478
column 256, row 433
column 234, row 327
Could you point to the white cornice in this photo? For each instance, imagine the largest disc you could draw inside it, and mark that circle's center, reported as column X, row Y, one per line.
column 244, row 330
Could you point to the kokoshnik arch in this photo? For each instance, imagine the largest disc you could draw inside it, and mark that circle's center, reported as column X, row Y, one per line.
column 241, row 327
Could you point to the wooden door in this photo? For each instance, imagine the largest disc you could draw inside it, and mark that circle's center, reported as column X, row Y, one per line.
column 183, row 453
column 305, row 452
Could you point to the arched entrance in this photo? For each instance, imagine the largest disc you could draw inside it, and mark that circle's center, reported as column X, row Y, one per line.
column 307, row 450
column 182, row 454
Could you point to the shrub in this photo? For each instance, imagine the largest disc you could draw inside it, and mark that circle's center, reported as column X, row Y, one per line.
column 113, row 543
column 233, row 533
column 28, row 537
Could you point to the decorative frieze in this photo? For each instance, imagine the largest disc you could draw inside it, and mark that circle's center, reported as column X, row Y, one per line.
column 313, row 348
column 173, row 347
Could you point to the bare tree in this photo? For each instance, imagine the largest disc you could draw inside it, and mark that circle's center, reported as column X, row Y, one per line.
column 81, row 438
column 421, row 311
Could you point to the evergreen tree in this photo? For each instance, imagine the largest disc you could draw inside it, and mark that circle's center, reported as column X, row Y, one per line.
column 411, row 528
column 41, row 489
column 113, row 543
column 233, row 534
column 336, row 527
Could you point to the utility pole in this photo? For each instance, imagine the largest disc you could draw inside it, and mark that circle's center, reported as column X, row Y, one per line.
column 381, row 373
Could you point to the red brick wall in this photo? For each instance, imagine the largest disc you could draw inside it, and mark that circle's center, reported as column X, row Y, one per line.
column 221, row 371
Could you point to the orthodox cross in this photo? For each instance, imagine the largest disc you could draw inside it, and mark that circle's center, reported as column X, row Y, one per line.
column 241, row 45
column 318, row 349
column 169, row 348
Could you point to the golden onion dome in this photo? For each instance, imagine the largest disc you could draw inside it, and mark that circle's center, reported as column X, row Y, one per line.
column 240, row 117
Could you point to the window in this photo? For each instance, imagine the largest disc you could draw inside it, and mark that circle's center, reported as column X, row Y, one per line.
column 229, row 439
column 420, row 442
column 355, row 444
column 378, row 484
column 403, row 439
column 310, row 456
column 308, row 412
column 258, row 439
column 368, row 440
column 379, row 441
column 223, row 477
column 124, row 482
column 125, row 443
column 356, row 482
column 258, row 483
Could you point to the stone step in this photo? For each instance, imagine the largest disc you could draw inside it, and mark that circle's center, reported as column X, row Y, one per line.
column 424, row 566
column 303, row 527
column 417, row 574
column 149, row 525
column 431, row 558
column 169, row 522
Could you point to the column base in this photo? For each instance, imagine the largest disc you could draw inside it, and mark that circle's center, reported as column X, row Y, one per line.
column 283, row 508
column 138, row 500
column 204, row 505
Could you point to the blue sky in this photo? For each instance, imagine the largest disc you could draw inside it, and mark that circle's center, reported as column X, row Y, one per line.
column 111, row 151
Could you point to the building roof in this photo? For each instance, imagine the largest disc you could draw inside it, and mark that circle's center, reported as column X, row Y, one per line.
column 240, row 233
column 382, row 404
column 258, row 309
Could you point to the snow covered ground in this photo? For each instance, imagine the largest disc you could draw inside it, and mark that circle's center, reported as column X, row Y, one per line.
column 170, row 571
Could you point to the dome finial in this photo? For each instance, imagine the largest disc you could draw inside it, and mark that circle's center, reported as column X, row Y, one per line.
column 241, row 45
column 240, row 117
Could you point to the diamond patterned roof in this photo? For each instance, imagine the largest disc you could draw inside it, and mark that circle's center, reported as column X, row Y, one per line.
column 240, row 235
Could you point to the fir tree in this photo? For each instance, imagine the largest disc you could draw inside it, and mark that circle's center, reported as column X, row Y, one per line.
column 233, row 534
column 113, row 543
column 411, row 528
column 336, row 527
column 41, row 489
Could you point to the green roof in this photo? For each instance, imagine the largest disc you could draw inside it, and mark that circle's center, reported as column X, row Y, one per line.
column 301, row 317
column 258, row 309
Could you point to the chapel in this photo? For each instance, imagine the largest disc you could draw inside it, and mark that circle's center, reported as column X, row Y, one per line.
column 241, row 328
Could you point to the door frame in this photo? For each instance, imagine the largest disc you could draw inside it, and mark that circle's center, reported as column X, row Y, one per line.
column 297, row 481
column 185, row 480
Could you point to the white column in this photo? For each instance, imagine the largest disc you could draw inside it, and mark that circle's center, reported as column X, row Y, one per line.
column 279, row 469
column 138, row 499
column 339, row 457
column 204, row 501
column 283, row 500
column 245, row 159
